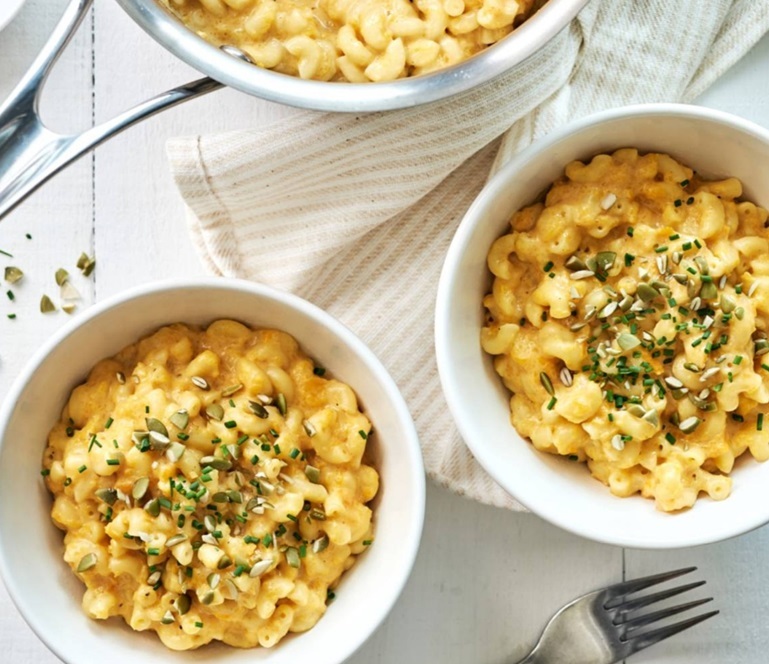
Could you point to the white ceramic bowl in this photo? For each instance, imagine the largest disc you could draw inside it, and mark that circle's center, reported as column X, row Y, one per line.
column 43, row 587
column 713, row 143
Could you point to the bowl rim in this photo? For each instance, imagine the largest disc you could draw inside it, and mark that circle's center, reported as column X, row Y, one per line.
column 527, row 39
column 413, row 523
column 452, row 386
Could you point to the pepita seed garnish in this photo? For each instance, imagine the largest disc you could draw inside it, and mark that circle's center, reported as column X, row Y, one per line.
column 608, row 310
column 260, row 567
column 140, row 488
column 280, row 402
column 87, row 562
column 46, row 305
column 176, row 539
column 13, row 275
column 61, row 276
column 182, row 604
column 258, row 409
column 313, row 474
column 646, row 292
column 215, row 411
column 627, row 341
column 320, row 544
column 544, row 379
column 86, row 264
column 232, row 389
column 200, row 382
column 292, row 557
column 180, row 419
column 689, row 424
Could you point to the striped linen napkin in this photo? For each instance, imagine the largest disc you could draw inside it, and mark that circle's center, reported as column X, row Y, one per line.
column 355, row 212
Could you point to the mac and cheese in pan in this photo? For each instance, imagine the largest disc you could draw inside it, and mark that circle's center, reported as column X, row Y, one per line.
column 353, row 40
column 211, row 485
column 629, row 317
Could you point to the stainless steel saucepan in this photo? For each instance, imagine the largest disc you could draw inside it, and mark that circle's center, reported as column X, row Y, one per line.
column 30, row 153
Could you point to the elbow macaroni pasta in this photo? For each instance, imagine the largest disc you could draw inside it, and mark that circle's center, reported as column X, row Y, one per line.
column 354, row 40
column 211, row 485
column 629, row 316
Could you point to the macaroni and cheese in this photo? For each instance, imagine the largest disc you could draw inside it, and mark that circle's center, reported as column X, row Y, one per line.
column 629, row 316
column 353, row 40
column 211, row 485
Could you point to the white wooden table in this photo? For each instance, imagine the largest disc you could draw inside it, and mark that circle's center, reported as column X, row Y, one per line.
column 486, row 580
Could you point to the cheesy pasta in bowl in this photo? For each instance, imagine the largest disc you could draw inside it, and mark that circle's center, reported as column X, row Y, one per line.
column 618, row 322
column 635, row 285
column 217, row 480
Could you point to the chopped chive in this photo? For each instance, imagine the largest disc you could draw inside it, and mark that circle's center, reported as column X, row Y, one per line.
column 108, row 423
column 552, row 403
column 152, row 551
column 294, row 453
column 670, row 438
column 737, row 359
column 45, row 472
column 630, row 231
column 661, row 250
column 82, row 469
column 760, row 422
column 548, row 266
column 230, row 424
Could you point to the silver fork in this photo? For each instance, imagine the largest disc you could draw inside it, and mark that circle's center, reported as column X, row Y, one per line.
column 604, row 626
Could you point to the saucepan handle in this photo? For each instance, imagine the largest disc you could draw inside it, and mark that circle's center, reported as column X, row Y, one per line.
column 30, row 153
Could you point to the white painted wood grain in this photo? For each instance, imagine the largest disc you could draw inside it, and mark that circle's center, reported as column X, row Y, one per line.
column 486, row 580
column 59, row 218
column 139, row 216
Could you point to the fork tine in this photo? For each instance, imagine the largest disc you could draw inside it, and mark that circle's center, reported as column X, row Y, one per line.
column 634, row 585
column 648, row 618
column 647, row 639
column 640, row 602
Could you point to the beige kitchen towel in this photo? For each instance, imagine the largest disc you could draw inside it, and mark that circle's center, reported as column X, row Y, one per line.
column 355, row 212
